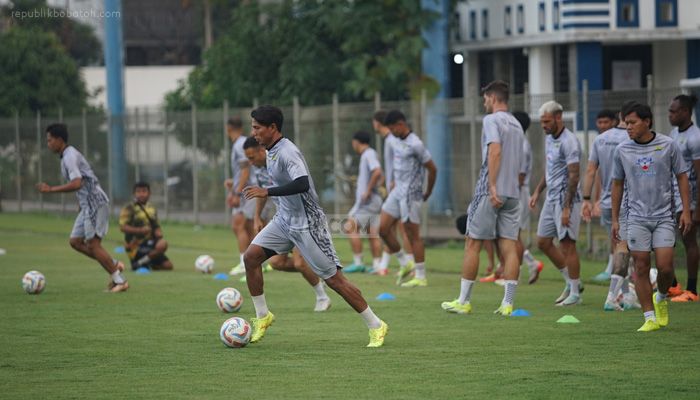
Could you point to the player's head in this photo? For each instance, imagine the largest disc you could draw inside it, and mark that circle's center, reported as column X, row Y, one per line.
column 523, row 118
column 680, row 112
column 551, row 117
column 267, row 124
column 56, row 137
column 234, row 127
column 496, row 92
column 142, row 192
column 378, row 122
column 638, row 118
column 396, row 122
column 360, row 141
column 254, row 152
column 605, row 120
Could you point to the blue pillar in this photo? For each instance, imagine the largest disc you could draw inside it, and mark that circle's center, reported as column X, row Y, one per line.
column 589, row 66
column 435, row 59
column 114, row 62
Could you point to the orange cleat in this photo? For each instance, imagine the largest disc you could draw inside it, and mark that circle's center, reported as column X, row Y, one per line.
column 674, row 291
column 489, row 278
column 686, row 297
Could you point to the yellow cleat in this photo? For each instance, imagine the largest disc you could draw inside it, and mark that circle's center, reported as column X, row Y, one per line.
column 376, row 336
column 505, row 310
column 404, row 271
column 415, row 282
column 260, row 325
column 456, row 308
column 661, row 311
column 649, row 325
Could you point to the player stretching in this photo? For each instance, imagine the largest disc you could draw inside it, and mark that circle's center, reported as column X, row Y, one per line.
column 561, row 212
column 299, row 222
column 411, row 159
column 495, row 209
column 93, row 219
column 646, row 164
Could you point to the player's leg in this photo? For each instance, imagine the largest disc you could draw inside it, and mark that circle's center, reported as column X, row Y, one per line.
column 490, row 258
column 413, row 233
column 323, row 302
column 406, row 242
column 619, row 273
column 508, row 231
column 353, row 230
column 691, row 261
column 387, row 221
column 77, row 235
column 642, row 261
column 606, row 221
column 240, row 229
column 375, row 245
column 157, row 256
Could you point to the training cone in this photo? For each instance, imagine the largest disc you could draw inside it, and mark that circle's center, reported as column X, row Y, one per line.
column 568, row 319
column 520, row 313
column 386, row 296
column 221, row 276
column 120, row 250
column 143, row 271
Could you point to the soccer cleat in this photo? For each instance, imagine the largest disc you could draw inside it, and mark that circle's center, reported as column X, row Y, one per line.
column 415, row 282
column 266, row 268
column 350, row 269
column 674, row 291
column 456, row 308
column 322, row 304
column 238, row 269
column 649, row 325
column 505, row 310
column 488, row 278
column 661, row 311
column 260, row 325
column 380, row 272
column 120, row 287
column 630, row 301
column 602, row 277
column 611, row 306
column 570, row 300
column 243, row 279
column 110, row 282
column 535, row 272
column 686, row 297
column 404, row 271
column 377, row 335
column 563, row 294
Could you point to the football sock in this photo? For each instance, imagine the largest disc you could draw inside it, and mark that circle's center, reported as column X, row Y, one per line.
column 372, row 321
column 609, row 268
column 143, row 260
column 357, row 259
column 465, row 290
column 615, row 283
column 649, row 315
column 385, row 260
column 401, row 256
column 574, row 286
column 660, row 297
column 320, row 290
column 117, row 277
column 509, row 294
column 260, row 306
column 420, row 270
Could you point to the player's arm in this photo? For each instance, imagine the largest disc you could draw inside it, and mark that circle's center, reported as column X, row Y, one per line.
column 258, row 223
column 125, row 218
column 587, row 208
column 616, row 199
column 696, row 216
column 432, row 176
column 71, row 186
column 684, row 187
column 572, row 187
column 245, row 174
column 536, row 194
column 374, row 180
column 494, row 167
column 299, row 185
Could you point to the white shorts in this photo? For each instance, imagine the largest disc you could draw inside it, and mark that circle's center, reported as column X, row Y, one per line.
column 401, row 208
column 316, row 247
column 246, row 207
column 550, row 221
column 649, row 235
column 367, row 214
column 91, row 223
column 524, row 219
column 488, row 223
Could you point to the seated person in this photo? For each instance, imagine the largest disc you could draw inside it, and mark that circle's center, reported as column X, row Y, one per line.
column 142, row 233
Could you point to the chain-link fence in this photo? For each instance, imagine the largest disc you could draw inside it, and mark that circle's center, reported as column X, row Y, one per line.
column 187, row 180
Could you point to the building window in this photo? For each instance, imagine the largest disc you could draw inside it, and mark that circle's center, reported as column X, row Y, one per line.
column 628, row 13
column 520, row 19
column 666, row 12
column 508, row 20
column 472, row 25
column 555, row 14
column 485, row 23
column 541, row 17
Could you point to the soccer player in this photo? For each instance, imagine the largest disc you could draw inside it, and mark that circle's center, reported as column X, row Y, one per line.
column 606, row 120
column 646, row 164
column 561, row 213
column 687, row 136
column 93, row 219
column 494, row 212
column 241, row 210
column 368, row 204
column 600, row 165
column 411, row 159
column 264, row 211
column 142, row 232
column 381, row 130
column 299, row 222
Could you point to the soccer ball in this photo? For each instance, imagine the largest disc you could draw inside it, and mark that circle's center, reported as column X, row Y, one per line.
column 235, row 332
column 33, row 282
column 229, row 300
column 204, row 264
column 653, row 274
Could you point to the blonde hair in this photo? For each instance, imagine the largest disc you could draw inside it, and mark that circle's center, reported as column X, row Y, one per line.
column 551, row 107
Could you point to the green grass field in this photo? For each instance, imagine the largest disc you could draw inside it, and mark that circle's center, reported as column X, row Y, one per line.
column 160, row 339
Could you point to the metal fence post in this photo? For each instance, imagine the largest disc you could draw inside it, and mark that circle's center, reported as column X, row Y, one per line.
column 110, row 189
column 296, row 120
column 424, row 130
column 136, row 146
column 380, row 142
column 650, row 91
column 40, row 162
column 166, row 163
column 18, row 163
column 85, row 133
column 526, row 108
column 336, row 154
column 195, row 179
column 63, row 195
column 227, row 154
column 585, row 101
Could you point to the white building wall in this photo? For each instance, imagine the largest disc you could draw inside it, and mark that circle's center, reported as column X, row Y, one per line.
column 670, row 57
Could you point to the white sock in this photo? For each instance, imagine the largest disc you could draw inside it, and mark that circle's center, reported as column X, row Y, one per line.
column 509, row 293
column 615, row 283
column 117, row 277
column 529, row 259
column 260, row 306
column 410, row 257
column 242, row 263
column 357, row 259
column 377, row 264
column 401, row 256
column 386, row 257
column 625, row 286
column 143, row 260
column 465, row 291
column 660, row 297
column 649, row 315
column 574, row 286
column 420, row 270
column 565, row 273
column 609, row 268
column 320, row 290
column 372, row 321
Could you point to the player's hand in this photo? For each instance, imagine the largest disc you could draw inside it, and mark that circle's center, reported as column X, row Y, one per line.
column 597, row 212
column 235, row 200
column 685, row 222
column 365, row 196
column 228, row 184
column 43, row 187
column 252, row 192
column 257, row 224
column 615, row 232
column 496, row 202
column 145, row 230
column 533, row 201
column 586, row 211
column 565, row 216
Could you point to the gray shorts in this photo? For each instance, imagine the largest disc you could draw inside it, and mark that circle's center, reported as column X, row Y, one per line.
column 401, row 208
column 550, row 221
column 524, row 209
column 606, row 221
column 367, row 214
column 649, row 235
column 247, row 208
column 488, row 223
column 316, row 246
column 91, row 223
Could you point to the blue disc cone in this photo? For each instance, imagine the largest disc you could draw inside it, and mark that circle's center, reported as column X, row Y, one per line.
column 221, row 276
column 386, row 296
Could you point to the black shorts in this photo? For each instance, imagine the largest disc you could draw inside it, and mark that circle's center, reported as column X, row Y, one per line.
column 143, row 250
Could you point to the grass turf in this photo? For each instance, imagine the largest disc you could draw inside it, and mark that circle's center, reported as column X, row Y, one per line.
column 160, row 339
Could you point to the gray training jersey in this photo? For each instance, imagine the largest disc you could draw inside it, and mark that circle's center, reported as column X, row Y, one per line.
column 74, row 165
column 260, row 176
column 689, row 143
column 368, row 163
column 602, row 154
column 238, row 161
column 501, row 127
column 389, row 159
column 301, row 211
column 648, row 170
column 526, row 166
column 561, row 152
column 410, row 155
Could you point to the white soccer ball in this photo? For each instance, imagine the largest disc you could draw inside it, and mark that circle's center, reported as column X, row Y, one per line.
column 235, row 332
column 229, row 300
column 33, row 282
column 653, row 274
column 204, row 264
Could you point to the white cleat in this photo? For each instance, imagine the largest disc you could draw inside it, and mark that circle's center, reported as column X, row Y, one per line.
column 322, row 304
column 237, row 270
